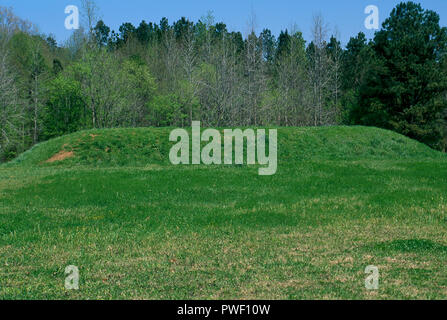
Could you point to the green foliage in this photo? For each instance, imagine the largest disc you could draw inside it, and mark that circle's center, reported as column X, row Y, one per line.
column 164, row 110
column 402, row 88
column 29, row 55
column 65, row 109
column 139, row 90
column 102, row 32
column 268, row 45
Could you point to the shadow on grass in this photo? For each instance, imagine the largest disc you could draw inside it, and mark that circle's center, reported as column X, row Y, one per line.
column 409, row 246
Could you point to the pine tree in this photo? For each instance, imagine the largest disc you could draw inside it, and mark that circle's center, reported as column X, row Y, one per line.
column 403, row 87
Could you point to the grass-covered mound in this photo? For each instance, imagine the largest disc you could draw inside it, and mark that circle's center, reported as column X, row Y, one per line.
column 146, row 146
column 109, row 202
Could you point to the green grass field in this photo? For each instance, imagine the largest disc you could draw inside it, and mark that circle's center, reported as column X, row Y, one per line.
column 138, row 227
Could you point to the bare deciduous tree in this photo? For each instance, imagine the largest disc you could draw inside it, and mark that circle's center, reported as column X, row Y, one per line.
column 11, row 108
column 319, row 70
column 89, row 16
column 254, row 73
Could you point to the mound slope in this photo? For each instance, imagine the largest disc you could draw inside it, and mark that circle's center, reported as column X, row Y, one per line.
column 146, row 146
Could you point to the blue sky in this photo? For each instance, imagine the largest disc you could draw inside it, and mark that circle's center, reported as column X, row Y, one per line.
column 347, row 16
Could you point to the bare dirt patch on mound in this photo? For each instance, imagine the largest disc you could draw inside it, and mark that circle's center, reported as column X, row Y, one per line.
column 62, row 155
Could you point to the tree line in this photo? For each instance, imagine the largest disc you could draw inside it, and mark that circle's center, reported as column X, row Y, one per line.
column 171, row 74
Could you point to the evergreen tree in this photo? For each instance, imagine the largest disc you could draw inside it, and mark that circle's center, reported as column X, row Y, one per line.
column 403, row 87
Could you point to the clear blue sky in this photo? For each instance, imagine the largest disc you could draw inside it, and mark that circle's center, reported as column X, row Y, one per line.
column 346, row 15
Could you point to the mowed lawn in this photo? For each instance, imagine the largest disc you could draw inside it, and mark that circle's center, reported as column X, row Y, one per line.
column 157, row 231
